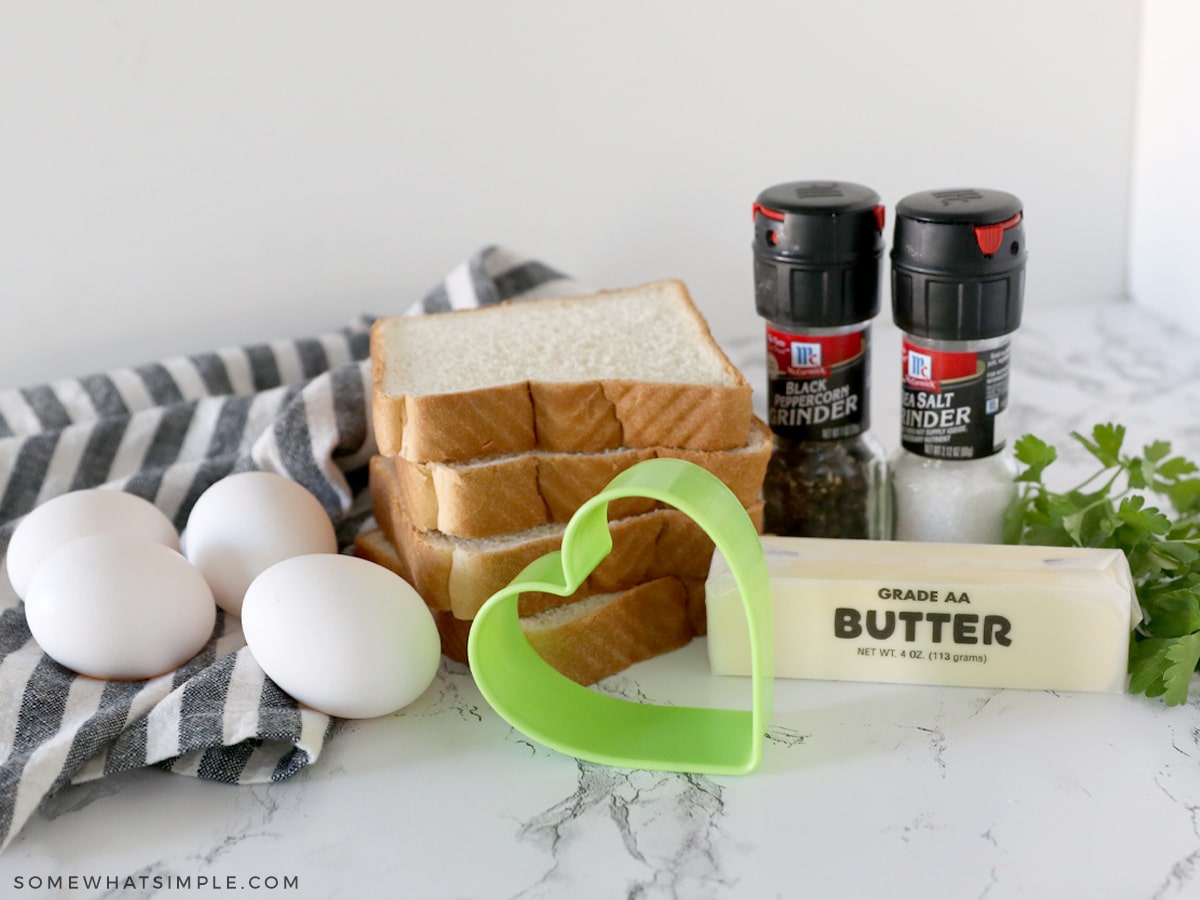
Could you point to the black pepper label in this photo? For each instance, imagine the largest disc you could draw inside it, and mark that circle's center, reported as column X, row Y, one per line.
column 954, row 402
column 817, row 384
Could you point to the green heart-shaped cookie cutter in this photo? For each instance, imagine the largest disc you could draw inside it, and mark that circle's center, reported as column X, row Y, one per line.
column 550, row 708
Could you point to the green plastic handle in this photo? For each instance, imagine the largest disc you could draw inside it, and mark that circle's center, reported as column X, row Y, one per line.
column 550, row 708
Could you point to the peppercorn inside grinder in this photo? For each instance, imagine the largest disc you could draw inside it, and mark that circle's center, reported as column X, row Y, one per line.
column 958, row 280
column 818, row 247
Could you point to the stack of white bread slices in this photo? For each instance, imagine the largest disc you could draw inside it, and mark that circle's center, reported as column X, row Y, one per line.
column 495, row 425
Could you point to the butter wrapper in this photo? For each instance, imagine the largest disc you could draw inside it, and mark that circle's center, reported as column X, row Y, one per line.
column 1051, row 618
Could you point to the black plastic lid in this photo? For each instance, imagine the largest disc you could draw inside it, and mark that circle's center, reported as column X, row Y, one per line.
column 958, row 264
column 817, row 252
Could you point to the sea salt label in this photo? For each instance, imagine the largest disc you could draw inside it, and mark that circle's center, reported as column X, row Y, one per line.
column 954, row 401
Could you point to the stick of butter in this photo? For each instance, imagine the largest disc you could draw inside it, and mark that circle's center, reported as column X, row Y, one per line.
column 1055, row 618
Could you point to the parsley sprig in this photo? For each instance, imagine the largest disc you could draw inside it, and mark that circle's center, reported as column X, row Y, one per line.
column 1113, row 508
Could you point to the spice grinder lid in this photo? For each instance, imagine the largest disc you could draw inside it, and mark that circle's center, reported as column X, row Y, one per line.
column 958, row 264
column 817, row 252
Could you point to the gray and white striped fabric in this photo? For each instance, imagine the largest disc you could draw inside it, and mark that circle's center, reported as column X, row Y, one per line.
column 166, row 431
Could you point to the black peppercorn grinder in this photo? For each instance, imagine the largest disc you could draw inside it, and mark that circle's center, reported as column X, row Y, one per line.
column 818, row 247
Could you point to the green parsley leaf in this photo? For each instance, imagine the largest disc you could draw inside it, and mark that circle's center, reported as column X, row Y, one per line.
column 1183, row 654
column 1176, row 614
column 1034, row 453
column 1136, row 472
column 1176, row 466
column 1156, row 451
column 1073, row 526
column 1105, row 444
column 1184, row 495
column 1147, row 663
column 1133, row 511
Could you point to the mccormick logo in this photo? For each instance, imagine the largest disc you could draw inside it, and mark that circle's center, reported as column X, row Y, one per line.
column 918, row 371
column 920, row 366
column 806, row 356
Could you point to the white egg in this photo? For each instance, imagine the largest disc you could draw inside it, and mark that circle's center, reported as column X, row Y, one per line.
column 74, row 515
column 246, row 523
column 120, row 607
column 341, row 634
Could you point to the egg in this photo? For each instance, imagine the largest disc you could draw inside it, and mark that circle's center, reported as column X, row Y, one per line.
column 78, row 513
column 246, row 523
column 341, row 634
column 120, row 607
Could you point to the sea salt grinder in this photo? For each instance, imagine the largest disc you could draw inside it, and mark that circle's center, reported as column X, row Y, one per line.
column 818, row 247
column 958, row 279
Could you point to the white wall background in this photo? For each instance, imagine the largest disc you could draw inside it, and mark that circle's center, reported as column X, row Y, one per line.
column 179, row 176
column 1165, row 214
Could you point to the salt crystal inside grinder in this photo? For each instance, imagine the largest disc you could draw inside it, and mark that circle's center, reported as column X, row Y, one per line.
column 958, row 279
column 817, row 252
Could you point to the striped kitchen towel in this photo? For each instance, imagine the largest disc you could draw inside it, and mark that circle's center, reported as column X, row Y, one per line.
column 167, row 431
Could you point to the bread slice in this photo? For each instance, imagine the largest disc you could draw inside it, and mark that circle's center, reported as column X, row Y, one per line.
column 501, row 494
column 627, row 368
column 459, row 574
column 588, row 640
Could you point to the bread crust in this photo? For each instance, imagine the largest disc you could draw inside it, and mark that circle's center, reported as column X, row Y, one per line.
column 520, row 417
column 583, row 416
column 637, row 624
column 453, row 426
column 459, row 575
column 514, row 493
column 640, row 623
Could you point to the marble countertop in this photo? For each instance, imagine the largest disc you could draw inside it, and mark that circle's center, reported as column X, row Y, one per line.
column 865, row 789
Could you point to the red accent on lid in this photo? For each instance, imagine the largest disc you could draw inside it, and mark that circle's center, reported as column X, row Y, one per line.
column 990, row 237
column 880, row 214
column 769, row 213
